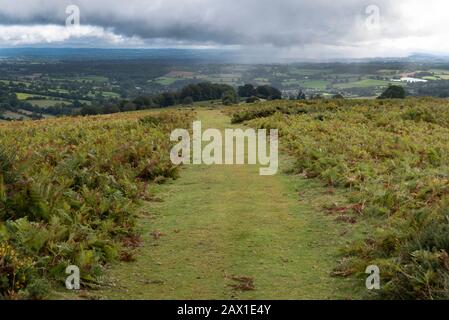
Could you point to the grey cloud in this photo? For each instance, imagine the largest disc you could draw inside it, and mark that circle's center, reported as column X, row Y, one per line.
column 282, row 23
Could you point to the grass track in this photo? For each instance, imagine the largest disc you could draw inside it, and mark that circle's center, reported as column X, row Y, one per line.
column 217, row 222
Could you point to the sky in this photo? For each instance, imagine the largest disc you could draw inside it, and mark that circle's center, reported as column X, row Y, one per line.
column 316, row 29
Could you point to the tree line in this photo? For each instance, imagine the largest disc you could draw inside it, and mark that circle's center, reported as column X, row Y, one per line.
column 188, row 95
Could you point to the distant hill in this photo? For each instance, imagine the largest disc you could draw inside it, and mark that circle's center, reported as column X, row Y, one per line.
column 192, row 55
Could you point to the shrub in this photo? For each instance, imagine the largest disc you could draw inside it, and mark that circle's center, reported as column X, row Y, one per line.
column 16, row 271
column 252, row 99
column 393, row 92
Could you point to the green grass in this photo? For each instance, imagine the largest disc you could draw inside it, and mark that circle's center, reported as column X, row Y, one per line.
column 223, row 221
column 314, row 84
column 433, row 78
column 110, row 94
column 48, row 101
column 208, row 103
column 291, row 82
column 24, row 96
column 166, row 81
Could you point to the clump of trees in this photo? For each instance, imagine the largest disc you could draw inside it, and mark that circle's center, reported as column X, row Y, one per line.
column 438, row 89
column 230, row 97
column 205, row 91
column 247, row 90
column 252, row 99
column 268, row 92
column 189, row 94
column 338, row 96
column 8, row 100
column 393, row 92
column 261, row 92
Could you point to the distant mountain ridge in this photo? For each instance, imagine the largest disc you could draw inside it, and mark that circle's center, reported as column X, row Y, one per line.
column 209, row 55
column 189, row 55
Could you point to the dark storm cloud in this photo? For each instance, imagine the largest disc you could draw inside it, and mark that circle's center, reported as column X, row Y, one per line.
column 281, row 23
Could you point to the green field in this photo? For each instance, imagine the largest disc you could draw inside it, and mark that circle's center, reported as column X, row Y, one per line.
column 364, row 84
column 110, row 94
column 432, row 78
column 291, row 82
column 47, row 103
column 24, row 96
column 314, row 84
column 166, row 81
column 105, row 94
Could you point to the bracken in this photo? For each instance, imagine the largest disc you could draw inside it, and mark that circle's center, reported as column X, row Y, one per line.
column 69, row 190
column 392, row 157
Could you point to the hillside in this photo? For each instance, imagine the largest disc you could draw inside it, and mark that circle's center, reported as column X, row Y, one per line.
column 362, row 182
column 69, row 191
column 391, row 159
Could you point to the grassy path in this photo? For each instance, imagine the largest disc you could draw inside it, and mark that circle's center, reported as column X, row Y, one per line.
column 219, row 223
